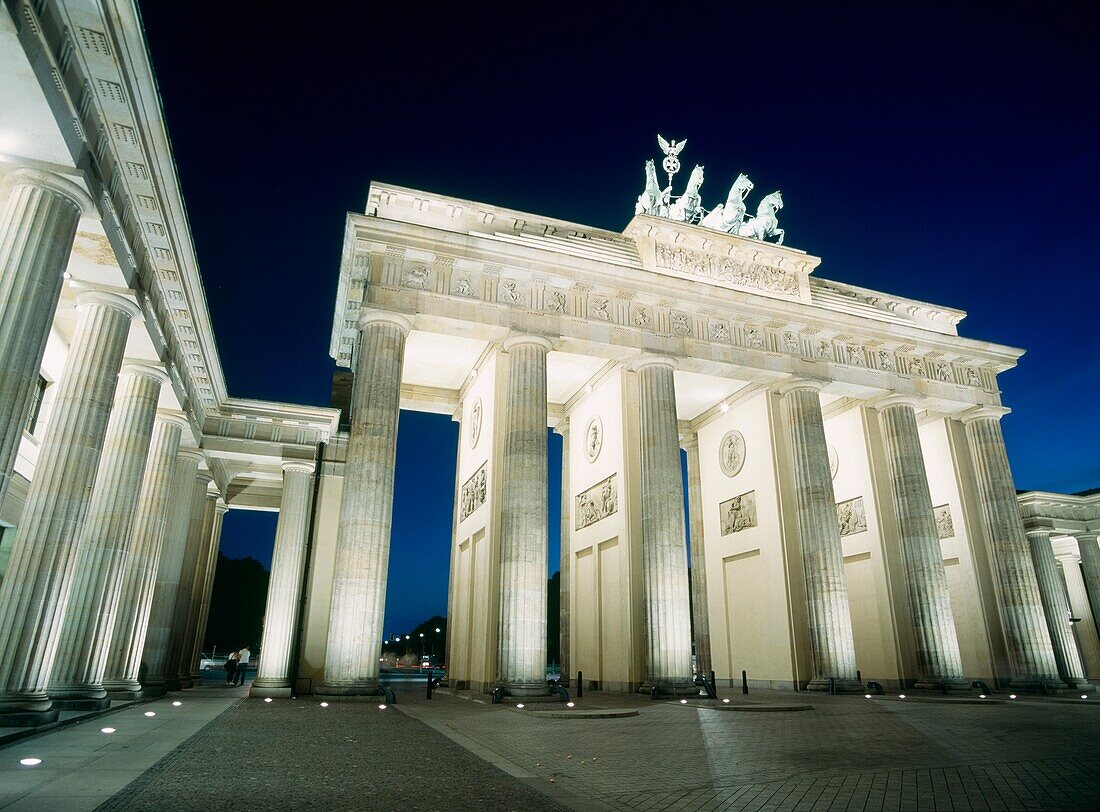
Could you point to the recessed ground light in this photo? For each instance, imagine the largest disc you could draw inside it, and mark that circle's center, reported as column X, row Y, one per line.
column 1012, row 696
column 150, row 713
column 569, row 704
column 106, row 730
column 981, row 696
column 30, row 762
column 267, row 699
column 1084, row 696
column 381, row 707
column 726, row 701
column 324, row 704
column 176, row 704
column 901, row 696
column 866, row 696
column 683, row 701
column 520, row 706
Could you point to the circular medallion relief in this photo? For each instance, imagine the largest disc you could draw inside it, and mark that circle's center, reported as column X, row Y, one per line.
column 475, row 423
column 731, row 453
column 593, row 438
column 834, row 462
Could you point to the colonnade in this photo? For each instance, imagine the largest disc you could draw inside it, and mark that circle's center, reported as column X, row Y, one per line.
column 85, row 567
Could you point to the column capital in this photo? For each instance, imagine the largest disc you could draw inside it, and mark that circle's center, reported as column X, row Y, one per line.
column 563, row 427
column 106, row 299
column 1067, row 557
column 191, row 454
column 526, row 338
column 55, row 183
column 895, row 399
column 795, row 384
column 304, row 466
column 984, row 413
column 220, row 506
column 1038, row 533
column 1088, row 535
column 648, row 360
column 204, row 476
column 368, row 317
column 689, row 440
column 175, row 419
column 145, row 371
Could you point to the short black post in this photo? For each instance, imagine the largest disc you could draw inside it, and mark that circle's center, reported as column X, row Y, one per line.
column 430, row 680
column 859, row 677
column 832, row 685
column 580, row 684
column 744, row 682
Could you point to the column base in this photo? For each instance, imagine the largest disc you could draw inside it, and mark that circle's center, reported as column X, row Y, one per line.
column 185, row 683
column 28, row 718
column 274, row 688
column 124, row 690
column 684, row 687
column 82, row 704
column 151, row 689
column 526, row 689
column 196, row 679
column 947, row 685
column 172, row 683
column 1036, row 684
column 364, row 688
column 843, row 686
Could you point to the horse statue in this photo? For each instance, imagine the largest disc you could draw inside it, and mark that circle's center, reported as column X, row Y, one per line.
column 765, row 223
column 730, row 215
column 689, row 205
column 649, row 201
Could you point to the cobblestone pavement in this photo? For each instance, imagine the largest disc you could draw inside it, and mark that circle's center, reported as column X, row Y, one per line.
column 848, row 753
column 294, row 754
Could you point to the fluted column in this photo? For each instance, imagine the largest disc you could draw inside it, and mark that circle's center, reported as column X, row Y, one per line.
column 831, row 639
column 204, row 581
column 700, row 607
column 284, row 592
column 1025, row 626
column 1084, row 630
column 104, row 544
column 565, row 556
column 363, row 540
column 524, row 520
column 187, row 622
column 40, row 572
column 1090, row 569
column 664, row 547
column 938, row 657
column 127, row 637
column 188, row 491
column 37, row 227
column 1052, row 591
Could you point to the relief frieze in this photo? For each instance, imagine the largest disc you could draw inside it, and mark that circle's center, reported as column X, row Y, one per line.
column 738, row 513
column 851, row 516
column 739, row 273
column 598, row 502
column 473, row 492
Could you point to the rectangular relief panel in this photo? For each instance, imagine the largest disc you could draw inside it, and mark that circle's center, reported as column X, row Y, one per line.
column 851, row 516
column 738, row 513
column 945, row 527
column 473, row 492
column 598, row 502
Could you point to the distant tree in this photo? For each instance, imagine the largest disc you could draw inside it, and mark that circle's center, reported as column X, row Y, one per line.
column 237, row 605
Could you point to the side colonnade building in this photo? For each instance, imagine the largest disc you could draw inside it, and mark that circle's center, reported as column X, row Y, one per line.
column 850, row 506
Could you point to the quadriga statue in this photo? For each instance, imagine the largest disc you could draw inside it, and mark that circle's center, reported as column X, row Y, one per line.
column 731, row 214
column 764, row 223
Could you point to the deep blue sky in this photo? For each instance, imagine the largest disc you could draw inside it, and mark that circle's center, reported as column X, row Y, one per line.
column 946, row 154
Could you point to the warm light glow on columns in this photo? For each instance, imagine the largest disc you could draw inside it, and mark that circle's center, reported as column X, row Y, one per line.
column 565, row 556
column 1089, row 550
column 664, row 547
column 524, row 520
column 188, row 492
column 187, row 622
column 830, row 620
column 37, row 227
column 42, row 566
column 938, row 657
column 366, row 509
column 127, row 637
column 699, row 603
column 1052, row 590
column 105, row 541
column 215, row 511
column 284, row 592
column 1022, row 616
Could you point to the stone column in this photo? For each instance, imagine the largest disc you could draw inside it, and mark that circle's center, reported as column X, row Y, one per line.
column 188, row 493
column 127, row 638
column 77, row 680
column 938, row 657
column 700, row 607
column 37, row 227
column 220, row 509
column 830, row 621
column 524, row 520
column 1088, row 642
column 566, row 556
column 40, row 572
column 1052, row 591
column 664, row 547
column 1090, row 569
column 189, row 622
column 284, row 592
column 366, row 510
column 1025, row 625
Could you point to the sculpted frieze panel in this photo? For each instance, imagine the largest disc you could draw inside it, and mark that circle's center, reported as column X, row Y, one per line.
column 737, row 272
column 473, row 492
column 945, row 528
column 596, row 503
column 738, row 513
column 851, row 516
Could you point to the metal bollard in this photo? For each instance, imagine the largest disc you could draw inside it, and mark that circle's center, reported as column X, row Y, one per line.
column 832, row 686
column 744, row 682
column 859, row 677
column 430, row 684
column 580, row 684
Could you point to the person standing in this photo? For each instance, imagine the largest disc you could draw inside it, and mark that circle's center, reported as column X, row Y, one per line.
column 231, row 668
column 243, row 656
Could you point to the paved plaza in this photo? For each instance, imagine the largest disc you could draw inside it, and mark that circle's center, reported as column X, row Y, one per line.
column 458, row 752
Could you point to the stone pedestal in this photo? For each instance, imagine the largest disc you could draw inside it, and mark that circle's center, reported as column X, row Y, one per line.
column 700, row 606
column 664, row 548
column 363, row 540
column 213, row 513
column 524, row 520
column 830, row 621
column 1022, row 615
column 37, row 228
column 42, row 566
column 284, row 592
column 188, row 491
column 127, row 637
column 1090, row 569
column 104, row 545
column 1052, row 591
column 938, row 655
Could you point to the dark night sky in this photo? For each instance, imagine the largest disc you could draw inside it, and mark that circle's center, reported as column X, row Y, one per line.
column 948, row 155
